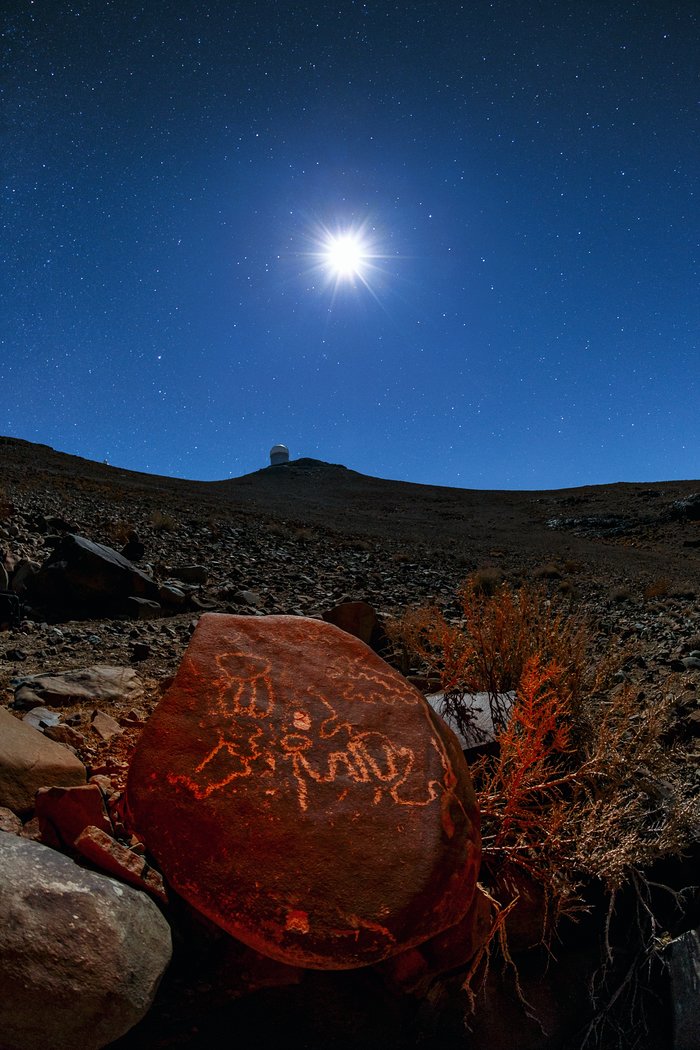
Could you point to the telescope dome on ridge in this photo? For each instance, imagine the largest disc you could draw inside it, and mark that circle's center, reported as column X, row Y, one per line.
column 279, row 454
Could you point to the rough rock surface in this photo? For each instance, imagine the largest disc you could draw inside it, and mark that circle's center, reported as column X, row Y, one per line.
column 301, row 794
column 89, row 684
column 28, row 761
column 64, row 812
column 81, row 955
column 82, row 572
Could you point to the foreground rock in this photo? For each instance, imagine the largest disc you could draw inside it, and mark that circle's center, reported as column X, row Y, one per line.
column 97, row 684
column 81, row 955
column 28, row 761
column 302, row 795
column 83, row 574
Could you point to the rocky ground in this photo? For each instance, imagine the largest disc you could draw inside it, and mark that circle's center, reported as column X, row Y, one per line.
column 301, row 538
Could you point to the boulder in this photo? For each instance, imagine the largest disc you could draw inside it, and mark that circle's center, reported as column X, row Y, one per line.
column 28, row 761
column 302, row 795
column 360, row 620
column 83, row 574
column 81, row 955
column 87, row 685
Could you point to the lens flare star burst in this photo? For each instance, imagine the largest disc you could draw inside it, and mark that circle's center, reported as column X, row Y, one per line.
column 347, row 255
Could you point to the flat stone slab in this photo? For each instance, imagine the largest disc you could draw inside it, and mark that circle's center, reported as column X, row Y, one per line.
column 303, row 795
column 29, row 761
column 97, row 684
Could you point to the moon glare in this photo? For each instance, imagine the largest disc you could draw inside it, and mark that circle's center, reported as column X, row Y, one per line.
column 345, row 255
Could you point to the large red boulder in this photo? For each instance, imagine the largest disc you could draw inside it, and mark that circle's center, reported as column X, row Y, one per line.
column 301, row 794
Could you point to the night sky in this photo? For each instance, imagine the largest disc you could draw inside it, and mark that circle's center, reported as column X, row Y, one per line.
column 523, row 179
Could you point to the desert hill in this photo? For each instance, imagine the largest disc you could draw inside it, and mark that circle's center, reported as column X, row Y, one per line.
column 639, row 530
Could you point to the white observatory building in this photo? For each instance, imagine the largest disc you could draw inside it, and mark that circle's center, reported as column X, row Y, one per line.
column 279, row 454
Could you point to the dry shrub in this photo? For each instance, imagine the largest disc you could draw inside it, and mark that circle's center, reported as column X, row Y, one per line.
column 488, row 648
column 550, row 571
column 163, row 522
column 582, row 785
column 486, row 581
column 658, row 588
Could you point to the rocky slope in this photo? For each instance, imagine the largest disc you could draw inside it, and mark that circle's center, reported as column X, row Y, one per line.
column 302, row 538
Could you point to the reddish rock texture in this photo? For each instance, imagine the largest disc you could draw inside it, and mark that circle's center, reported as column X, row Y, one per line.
column 64, row 812
column 302, row 795
column 111, row 856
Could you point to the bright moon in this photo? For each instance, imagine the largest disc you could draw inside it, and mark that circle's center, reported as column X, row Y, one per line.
column 348, row 254
column 345, row 255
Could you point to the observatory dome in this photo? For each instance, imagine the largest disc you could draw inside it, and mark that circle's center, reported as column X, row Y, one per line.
column 279, row 454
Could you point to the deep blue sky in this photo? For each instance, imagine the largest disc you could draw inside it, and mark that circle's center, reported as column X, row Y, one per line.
column 528, row 170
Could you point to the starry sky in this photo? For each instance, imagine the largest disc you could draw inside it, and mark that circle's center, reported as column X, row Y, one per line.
column 524, row 174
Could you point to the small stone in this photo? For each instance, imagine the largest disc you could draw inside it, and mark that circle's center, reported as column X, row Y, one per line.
column 188, row 573
column 140, row 651
column 15, row 655
column 41, row 718
column 9, row 821
column 691, row 663
column 65, row 734
column 111, row 856
column 169, row 594
column 104, row 725
column 142, row 608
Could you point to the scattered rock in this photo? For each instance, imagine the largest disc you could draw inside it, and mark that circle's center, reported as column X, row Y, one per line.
column 65, row 734
column 96, row 684
column 104, row 725
column 140, row 651
column 171, row 595
column 102, row 850
column 64, row 812
column 360, row 620
column 142, row 608
column 81, row 955
column 188, row 573
column 344, row 819
column 82, row 573
column 41, row 718
column 9, row 821
column 28, row 761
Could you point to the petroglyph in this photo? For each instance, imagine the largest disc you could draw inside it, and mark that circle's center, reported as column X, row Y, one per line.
column 255, row 733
